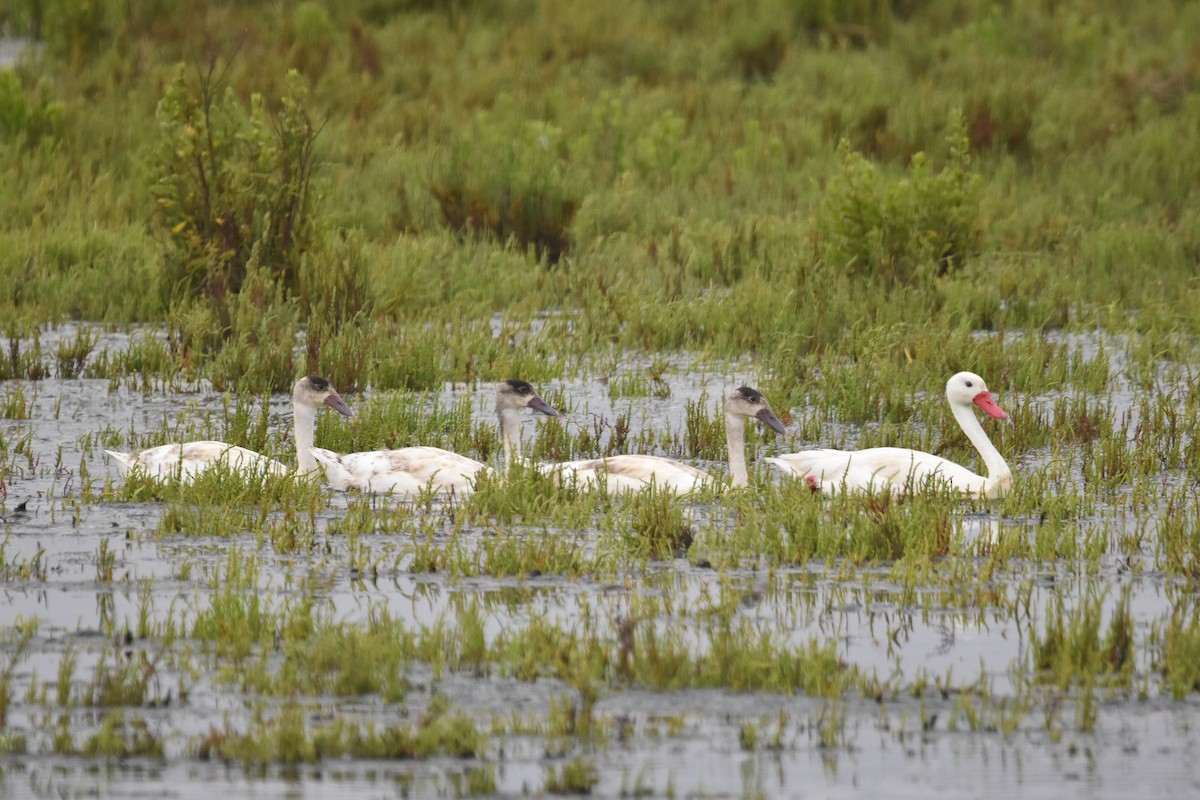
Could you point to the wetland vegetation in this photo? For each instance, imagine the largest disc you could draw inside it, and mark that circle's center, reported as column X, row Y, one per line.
column 637, row 207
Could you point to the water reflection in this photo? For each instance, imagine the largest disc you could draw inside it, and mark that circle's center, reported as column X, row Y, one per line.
column 13, row 49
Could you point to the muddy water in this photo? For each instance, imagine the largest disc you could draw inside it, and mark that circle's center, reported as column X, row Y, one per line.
column 682, row 742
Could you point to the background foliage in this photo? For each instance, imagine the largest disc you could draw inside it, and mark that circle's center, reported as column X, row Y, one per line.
column 778, row 177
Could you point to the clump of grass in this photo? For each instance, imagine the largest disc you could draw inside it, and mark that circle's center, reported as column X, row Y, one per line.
column 1073, row 648
column 23, row 362
column 656, row 528
column 638, row 385
column 22, row 635
column 704, row 433
column 146, row 356
column 121, row 738
column 532, row 496
column 576, row 776
column 125, row 679
column 475, row 782
column 15, row 403
column 238, row 618
column 221, row 501
column 1175, row 645
column 72, row 355
column 288, row 738
column 323, row 657
column 739, row 657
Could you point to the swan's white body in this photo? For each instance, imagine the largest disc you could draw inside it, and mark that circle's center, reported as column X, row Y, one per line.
column 404, row 472
column 627, row 473
column 896, row 469
column 635, row 472
column 411, row 470
column 185, row 460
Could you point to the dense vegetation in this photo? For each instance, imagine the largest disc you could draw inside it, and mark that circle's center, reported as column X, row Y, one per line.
column 812, row 182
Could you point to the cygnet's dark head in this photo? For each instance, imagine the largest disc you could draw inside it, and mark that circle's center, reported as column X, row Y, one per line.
column 750, row 403
column 514, row 395
column 313, row 391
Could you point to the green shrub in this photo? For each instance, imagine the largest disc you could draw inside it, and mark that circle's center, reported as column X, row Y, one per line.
column 233, row 182
column 900, row 231
column 511, row 180
column 853, row 22
column 77, row 30
column 33, row 117
column 312, row 33
column 757, row 47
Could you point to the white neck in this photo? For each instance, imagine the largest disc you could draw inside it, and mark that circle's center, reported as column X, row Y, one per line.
column 735, row 440
column 999, row 476
column 304, row 420
column 510, row 432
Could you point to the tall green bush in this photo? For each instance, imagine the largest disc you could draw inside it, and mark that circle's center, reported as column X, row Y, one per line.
column 903, row 230
column 234, row 187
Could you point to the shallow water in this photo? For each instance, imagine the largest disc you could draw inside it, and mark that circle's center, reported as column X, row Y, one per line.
column 686, row 741
column 12, row 49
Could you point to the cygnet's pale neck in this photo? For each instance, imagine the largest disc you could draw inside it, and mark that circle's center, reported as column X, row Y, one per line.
column 510, row 433
column 305, row 423
column 735, row 440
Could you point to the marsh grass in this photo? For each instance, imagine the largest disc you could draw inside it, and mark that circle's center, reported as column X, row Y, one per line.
column 223, row 502
column 121, row 738
column 288, row 737
column 576, row 776
column 1074, row 648
column 655, row 528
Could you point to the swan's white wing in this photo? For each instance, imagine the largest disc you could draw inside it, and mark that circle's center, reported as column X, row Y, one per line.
column 406, row 471
column 124, row 461
column 189, row 459
column 873, row 468
column 832, row 472
column 631, row 473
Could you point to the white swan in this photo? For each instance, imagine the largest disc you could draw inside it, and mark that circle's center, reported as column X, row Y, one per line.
column 186, row 460
column 893, row 469
column 410, row 470
column 634, row 472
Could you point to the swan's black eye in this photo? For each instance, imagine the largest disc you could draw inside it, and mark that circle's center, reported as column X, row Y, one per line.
column 969, row 384
column 749, row 394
